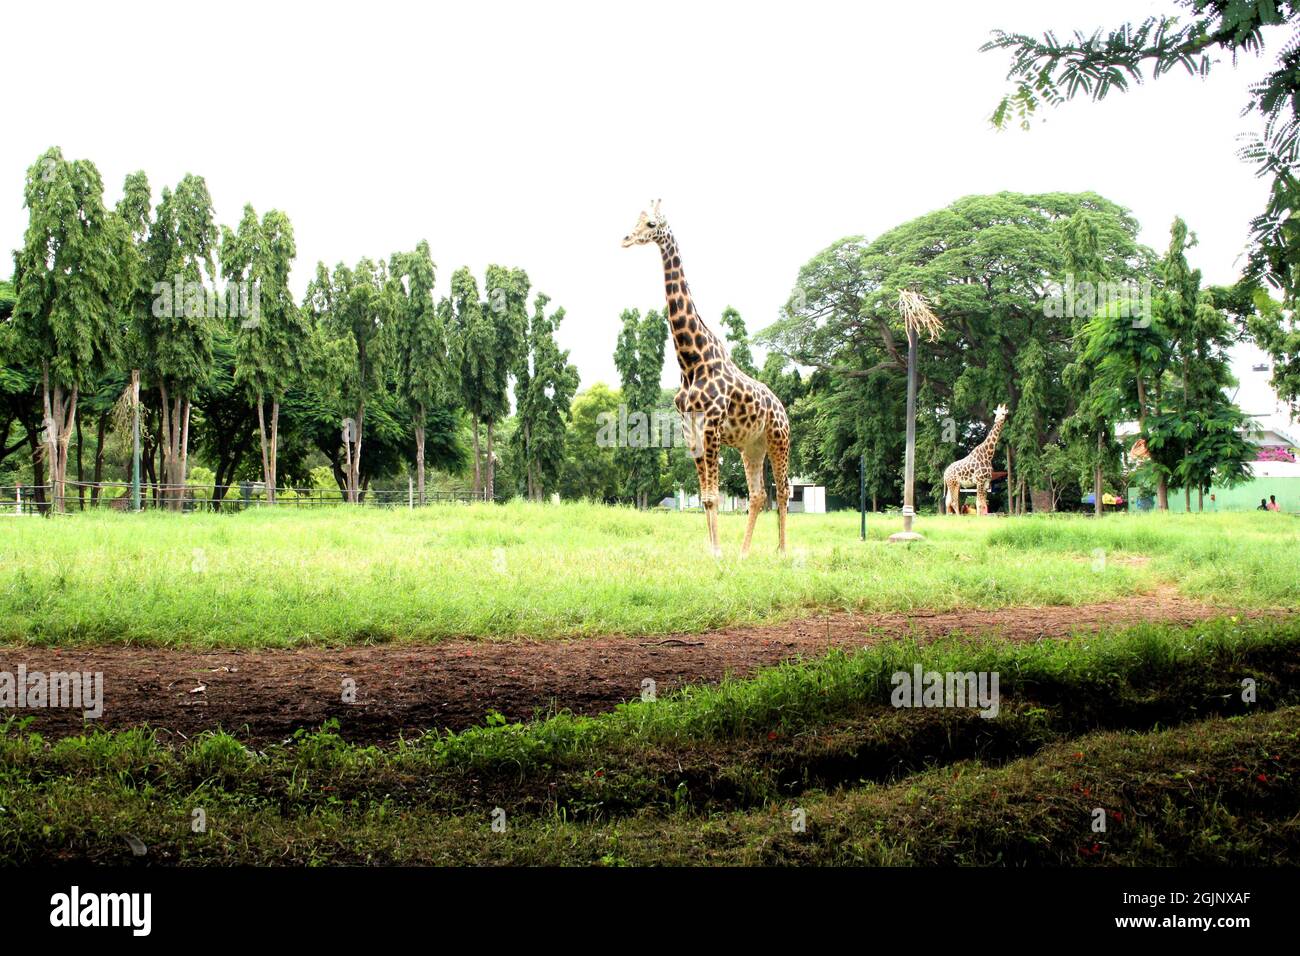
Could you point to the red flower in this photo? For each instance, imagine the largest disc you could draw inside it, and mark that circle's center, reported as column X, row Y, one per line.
column 1262, row 777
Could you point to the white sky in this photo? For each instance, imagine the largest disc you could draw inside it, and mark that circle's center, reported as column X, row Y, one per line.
column 531, row 134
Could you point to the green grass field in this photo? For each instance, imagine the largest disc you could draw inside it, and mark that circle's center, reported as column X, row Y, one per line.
column 337, row 576
column 1150, row 724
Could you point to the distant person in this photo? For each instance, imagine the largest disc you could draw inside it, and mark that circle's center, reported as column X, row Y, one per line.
column 1213, row 505
column 1263, row 504
column 1272, row 503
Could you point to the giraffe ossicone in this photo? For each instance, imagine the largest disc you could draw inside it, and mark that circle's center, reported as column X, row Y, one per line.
column 719, row 403
column 976, row 468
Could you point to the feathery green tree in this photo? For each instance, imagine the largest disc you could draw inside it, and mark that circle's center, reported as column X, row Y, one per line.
column 420, row 347
column 270, row 336
column 69, row 278
column 545, row 383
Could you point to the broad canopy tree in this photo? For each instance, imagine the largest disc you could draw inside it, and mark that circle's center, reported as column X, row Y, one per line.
column 991, row 265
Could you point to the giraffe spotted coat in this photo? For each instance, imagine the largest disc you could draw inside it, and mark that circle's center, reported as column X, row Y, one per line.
column 975, row 469
column 720, row 404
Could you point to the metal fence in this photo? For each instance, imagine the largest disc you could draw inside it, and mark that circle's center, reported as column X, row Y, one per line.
column 116, row 496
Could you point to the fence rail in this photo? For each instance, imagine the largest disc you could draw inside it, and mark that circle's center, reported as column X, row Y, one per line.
column 154, row 496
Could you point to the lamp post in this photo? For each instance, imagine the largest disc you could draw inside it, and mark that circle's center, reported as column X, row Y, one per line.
column 916, row 315
column 862, row 493
column 135, row 440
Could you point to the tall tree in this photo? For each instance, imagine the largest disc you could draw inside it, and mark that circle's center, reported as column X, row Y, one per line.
column 420, row 346
column 506, row 311
column 545, row 383
column 1089, row 426
column 1131, row 358
column 349, row 308
column 270, row 336
column 472, row 347
column 69, row 278
column 738, row 337
column 178, row 336
column 639, row 358
column 1201, row 437
column 134, row 209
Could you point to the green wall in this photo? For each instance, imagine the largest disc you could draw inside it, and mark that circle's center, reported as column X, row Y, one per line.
column 1245, row 497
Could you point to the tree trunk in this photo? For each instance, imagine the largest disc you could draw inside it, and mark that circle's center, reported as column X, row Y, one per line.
column 275, row 450
column 478, row 482
column 1011, row 487
column 491, row 465
column 182, row 492
column 354, row 455
column 1096, row 477
column 419, row 454
column 81, row 474
column 99, row 457
column 266, row 445
column 60, row 413
column 38, row 471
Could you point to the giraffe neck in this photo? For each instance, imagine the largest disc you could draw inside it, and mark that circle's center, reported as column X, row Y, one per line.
column 991, row 442
column 693, row 341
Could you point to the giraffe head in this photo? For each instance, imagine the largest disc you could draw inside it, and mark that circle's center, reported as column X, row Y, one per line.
column 1000, row 413
column 650, row 227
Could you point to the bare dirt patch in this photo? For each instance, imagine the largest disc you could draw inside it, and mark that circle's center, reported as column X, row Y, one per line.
column 405, row 689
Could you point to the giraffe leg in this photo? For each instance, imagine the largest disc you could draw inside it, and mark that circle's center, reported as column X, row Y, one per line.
column 706, row 467
column 753, row 457
column 778, row 449
column 981, row 498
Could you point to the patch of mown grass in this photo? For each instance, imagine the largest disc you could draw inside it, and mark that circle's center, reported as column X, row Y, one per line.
column 338, row 576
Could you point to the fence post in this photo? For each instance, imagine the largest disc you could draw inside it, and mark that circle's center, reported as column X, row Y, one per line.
column 410, row 492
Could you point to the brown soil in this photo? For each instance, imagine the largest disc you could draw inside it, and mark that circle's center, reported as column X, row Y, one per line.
column 404, row 689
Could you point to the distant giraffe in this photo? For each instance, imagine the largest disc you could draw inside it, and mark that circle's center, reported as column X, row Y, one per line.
column 1139, row 452
column 977, row 467
column 719, row 403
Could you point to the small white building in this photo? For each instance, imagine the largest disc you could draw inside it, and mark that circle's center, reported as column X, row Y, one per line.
column 805, row 497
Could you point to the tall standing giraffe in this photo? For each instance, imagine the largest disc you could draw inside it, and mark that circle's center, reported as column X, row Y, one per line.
column 977, row 467
column 719, row 403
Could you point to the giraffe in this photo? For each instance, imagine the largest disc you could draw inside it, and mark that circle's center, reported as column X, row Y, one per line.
column 719, row 403
column 976, row 467
column 1139, row 452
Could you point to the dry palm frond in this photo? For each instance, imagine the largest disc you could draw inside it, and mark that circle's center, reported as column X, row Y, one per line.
column 121, row 414
column 915, row 310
